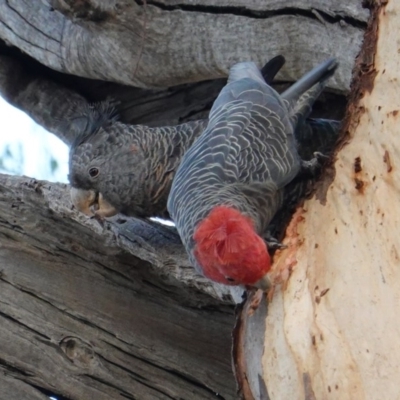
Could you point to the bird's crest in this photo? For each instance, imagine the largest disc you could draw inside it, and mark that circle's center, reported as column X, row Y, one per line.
column 228, row 248
column 88, row 120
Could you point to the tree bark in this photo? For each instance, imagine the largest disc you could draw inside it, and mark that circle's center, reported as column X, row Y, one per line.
column 153, row 44
column 164, row 44
column 115, row 310
column 329, row 333
column 91, row 311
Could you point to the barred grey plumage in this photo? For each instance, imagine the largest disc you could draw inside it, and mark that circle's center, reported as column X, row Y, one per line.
column 136, row 164
column 316, row 135
column 137, row 183
column 245, row 157
column 130, row 167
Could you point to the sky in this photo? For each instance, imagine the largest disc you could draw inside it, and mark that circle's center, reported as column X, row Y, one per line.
column 28, row 149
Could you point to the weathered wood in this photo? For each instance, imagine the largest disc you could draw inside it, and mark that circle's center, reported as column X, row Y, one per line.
column 46, row 94
column 11, row 388
column 337, row 8
column 115, row 311
column 50, row 98
column 329, row 334
column 97, row 312
column 147, row 45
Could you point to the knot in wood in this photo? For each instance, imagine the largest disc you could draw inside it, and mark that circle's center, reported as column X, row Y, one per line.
column 79, row 352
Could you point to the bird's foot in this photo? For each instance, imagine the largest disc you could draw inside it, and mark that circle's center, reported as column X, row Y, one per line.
column 314, row 165
column 273, row 243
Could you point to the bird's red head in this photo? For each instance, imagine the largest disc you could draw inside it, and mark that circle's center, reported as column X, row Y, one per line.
column 228, row 248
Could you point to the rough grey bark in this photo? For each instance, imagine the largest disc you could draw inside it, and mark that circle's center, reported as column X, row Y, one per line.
column 151, row 45
column 116, row 311
column 158, row 44
column 91, row 311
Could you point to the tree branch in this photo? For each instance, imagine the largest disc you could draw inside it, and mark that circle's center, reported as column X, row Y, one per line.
column 105, row 42
column 95, row 312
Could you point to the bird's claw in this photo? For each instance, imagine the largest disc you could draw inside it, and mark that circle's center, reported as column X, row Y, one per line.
column 313, row 165
column 273, row 243
column 321, row 157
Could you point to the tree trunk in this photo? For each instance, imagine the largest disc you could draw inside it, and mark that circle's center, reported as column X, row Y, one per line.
column 114, row 310
column 331, row 332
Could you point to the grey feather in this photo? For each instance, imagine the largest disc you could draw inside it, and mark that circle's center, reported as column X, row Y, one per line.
column 138, row 182
column 246, row 155
column 320, row 73
column 136, row 163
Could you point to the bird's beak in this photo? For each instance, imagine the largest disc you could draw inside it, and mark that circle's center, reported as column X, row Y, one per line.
column 83, row 200
column 103, row 208
column 91, row 203
column 264, row 284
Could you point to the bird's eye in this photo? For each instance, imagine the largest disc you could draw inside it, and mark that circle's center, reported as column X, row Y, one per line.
column 93, row 172
column 229, row 279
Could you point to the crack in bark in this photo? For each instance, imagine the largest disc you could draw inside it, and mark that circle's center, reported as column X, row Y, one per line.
column 91, row 324
column 195, row 382
column 15, row 371
column 8, row 237
column 4, row 315
column 47, row 392
column 13, row 227
column 50, row 253
column 34, row 45
column 136, row 357
column 29, row 23
column 171, row 371
column 127, row 397
column 75, row 317
column 258, row 14
column 84, row 266
column 102, row 381
column 125, row 281
column 70, row 253
column 141, row 379
column 124, row 277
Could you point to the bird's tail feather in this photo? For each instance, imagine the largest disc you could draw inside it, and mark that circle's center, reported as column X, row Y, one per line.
column 320, row 73
column 249, row 70
column 271, row 68
column 302, row 109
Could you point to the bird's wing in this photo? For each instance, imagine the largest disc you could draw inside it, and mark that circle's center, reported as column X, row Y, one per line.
column 249, row 137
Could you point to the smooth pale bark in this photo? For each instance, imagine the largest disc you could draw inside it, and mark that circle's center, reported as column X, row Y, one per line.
column 332, row 332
